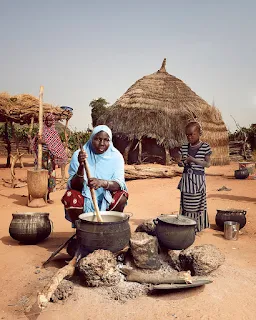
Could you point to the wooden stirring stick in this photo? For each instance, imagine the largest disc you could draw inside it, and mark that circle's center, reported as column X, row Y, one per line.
column 94, row 200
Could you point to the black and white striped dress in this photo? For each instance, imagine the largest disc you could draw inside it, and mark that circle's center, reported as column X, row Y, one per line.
column 193, row 188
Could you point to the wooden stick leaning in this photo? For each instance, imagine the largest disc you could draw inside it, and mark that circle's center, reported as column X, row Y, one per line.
column 63, row 245
column 40, row 129
column 94, row 200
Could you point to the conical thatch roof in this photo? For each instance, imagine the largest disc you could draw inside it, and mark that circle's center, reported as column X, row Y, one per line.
column 21, row 108
column 159, row 106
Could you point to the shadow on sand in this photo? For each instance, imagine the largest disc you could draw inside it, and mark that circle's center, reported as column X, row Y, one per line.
column 230, row 197
column 21, row 200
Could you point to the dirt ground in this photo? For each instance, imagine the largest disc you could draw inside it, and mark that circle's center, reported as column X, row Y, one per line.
column 230, row 296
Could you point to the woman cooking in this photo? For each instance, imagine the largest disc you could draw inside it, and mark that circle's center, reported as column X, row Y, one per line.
column 106, row 166
column 53, row 151
column 194, row 157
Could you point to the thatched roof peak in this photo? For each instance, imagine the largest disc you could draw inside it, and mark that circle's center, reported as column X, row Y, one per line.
column 163, row 69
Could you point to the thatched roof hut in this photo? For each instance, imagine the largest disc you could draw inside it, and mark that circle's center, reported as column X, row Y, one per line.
column 156, row 108
column 21, row 108
column 24, row 109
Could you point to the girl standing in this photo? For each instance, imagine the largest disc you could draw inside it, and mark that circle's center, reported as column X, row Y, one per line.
column 194, row 157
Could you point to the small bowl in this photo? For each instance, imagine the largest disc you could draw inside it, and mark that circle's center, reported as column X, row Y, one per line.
column 66, row 108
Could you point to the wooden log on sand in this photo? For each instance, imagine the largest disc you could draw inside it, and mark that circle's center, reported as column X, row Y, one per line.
column 67, row 271
column 133, row 172
column 155, row 278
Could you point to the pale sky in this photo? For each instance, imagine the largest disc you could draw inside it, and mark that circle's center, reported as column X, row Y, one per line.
column 82, row 50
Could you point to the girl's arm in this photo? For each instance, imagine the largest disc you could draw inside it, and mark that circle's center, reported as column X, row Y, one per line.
column 204, row 163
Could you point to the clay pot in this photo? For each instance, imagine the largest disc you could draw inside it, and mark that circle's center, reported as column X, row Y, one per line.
column 175, row 232
column 30, row 227
column 230, row 215
column 241, row 173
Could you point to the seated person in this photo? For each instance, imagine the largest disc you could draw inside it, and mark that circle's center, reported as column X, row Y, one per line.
column 106, row 165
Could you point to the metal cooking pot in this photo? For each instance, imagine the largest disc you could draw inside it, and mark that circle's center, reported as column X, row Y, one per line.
column 242, row 173
column 175, row 232
column 112, row 234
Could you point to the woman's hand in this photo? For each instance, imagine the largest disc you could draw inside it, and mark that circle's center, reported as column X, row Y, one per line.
column 95, row 183
column 82, row 157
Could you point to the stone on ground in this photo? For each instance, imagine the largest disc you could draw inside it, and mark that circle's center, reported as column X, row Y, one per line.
column 173, row 259
column 144, row 249
column 99, row 269
column 147, row 226
column 201, row 260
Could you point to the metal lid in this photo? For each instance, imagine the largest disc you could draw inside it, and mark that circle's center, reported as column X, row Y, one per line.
column 178, row 220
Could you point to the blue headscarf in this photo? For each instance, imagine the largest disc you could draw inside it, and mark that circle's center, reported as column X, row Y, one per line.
column 108, row 166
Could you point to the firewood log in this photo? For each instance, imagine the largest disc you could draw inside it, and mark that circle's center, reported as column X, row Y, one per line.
column 67, row 271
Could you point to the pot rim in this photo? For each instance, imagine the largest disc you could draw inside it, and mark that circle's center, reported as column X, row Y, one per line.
column 20, row 214
column 35, row 170
column 124, row 215
column 242, row 169
column 232, row 211
column 178, row 220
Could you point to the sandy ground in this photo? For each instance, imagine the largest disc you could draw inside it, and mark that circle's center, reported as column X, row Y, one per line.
column 230, row 296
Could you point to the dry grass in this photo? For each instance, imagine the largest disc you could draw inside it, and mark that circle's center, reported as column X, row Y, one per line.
column 21, row 108
column 159, row 106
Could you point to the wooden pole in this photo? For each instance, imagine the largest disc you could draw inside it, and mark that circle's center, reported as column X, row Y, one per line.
column 66, row 149
column 94, row 199
column 167, row 156
column 140, row 152
column 66, row 136
column 127, row 150
column 8, row 146
column 30, row 133
column 40, row 131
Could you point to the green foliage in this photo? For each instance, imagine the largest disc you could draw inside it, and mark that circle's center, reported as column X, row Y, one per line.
column 99, row 107
column 75, row 139
column 243, row 132
column 21, row 132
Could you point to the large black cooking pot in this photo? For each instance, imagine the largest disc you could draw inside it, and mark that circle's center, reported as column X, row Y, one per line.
column 235, row 215
column 112, row 234
column 175, row 232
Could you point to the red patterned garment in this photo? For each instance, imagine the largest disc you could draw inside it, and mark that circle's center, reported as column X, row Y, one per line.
column 73, row 199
